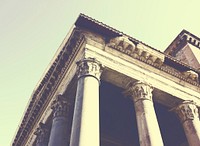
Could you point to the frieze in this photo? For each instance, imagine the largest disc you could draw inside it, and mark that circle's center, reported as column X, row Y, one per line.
column 188, row 76
column 137, row 51
column 50, row 81
column 152, row 57
column 123, row 44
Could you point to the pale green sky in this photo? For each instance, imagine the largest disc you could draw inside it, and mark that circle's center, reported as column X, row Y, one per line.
column 32, row 30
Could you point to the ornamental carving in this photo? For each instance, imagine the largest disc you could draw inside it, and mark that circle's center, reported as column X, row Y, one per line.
column 139, row 51
column 123, row 44
column 140, row 91
column 42, row 133
column 150, row 56
column 190, row 75
column 60, row 107
column 89, row 67
column 46, row 87
column 187, row 111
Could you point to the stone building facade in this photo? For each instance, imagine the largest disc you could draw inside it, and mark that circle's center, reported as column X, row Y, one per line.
column 105, row 88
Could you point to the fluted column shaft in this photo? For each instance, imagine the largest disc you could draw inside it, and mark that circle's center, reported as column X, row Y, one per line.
column 85, row 127
column 42, row 133
column 59, row 130
column 148, row 128
column 189, row 117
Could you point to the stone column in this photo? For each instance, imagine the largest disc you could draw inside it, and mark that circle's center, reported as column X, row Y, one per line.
column 148, row 128
column 60, row 128
column 189, row 117
column 85, row 127
column 42, row 133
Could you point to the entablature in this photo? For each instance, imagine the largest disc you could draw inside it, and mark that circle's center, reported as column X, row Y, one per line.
column 134, row 69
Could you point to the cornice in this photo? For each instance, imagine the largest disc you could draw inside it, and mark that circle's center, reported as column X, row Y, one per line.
column 94, row 25
column 98, row 27
column 151, row 57
column 48, row 85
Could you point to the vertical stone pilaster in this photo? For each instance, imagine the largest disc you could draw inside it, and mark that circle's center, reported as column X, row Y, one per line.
column 42, row 133
column 148, row 128
column 189, row 117
column 85, row 127
column 60, row 128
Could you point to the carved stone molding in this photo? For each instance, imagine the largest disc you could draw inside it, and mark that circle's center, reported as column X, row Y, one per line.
column 139, row 91
column 42, row 133
column 123, row 44
column 191, row 75
column 187, row 111
column 146, row 54
column 48, row 85
column 60, row 107
column 137, row 50
column 89, row 67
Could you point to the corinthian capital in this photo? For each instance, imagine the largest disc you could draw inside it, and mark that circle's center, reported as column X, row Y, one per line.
column 42, row 133
column 89, row 67
column 140, row 91
column 60, row 106
column 187, row 111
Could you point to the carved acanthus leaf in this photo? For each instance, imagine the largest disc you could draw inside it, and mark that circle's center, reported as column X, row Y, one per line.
column 89, row 67
column 140, row 91
column 187, row 111
column 42, row 133
column 60, row 107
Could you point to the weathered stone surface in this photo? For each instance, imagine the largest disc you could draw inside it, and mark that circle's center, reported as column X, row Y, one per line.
column 89, row 67
column 42, row 133
column 148, row 128
column 85, row 127
column 60, row 130
column 140, row 91
column 125, row 59
column 189, row 116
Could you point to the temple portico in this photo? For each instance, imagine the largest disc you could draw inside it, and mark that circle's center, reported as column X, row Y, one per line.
column 105, row 88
